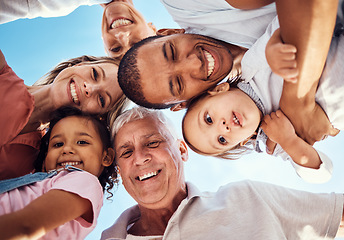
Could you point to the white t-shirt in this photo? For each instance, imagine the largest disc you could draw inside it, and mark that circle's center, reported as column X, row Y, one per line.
column 218, row 19
column 245, row 210
column 11, row 10
column 268, row 87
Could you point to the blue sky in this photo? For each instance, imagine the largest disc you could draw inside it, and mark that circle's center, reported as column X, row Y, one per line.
column 33, row 47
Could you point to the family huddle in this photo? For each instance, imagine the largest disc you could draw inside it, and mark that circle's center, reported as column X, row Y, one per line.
column 246, row 73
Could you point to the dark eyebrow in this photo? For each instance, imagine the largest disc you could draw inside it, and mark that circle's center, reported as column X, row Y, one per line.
column 170, row 82
column 164, row 51
column 85, row 134
column 103, row 72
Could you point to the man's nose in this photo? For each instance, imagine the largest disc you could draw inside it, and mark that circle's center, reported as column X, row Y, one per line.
column 190, row 65
column 142, row 157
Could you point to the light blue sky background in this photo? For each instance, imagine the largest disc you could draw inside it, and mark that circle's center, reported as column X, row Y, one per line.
column 33, row 47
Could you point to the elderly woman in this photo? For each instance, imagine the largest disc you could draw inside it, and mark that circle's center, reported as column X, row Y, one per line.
column 88, row 83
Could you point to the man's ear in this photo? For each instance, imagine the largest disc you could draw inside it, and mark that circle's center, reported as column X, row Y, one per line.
column 169, row 31
column 223, row 87
column 108, row 157
column 178, row 106
column 183, row 150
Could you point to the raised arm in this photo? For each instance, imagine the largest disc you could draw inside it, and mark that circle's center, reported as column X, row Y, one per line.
column 45, row 213
column 309, row 26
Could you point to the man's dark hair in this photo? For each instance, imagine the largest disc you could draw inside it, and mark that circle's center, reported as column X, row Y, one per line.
column 129, row 78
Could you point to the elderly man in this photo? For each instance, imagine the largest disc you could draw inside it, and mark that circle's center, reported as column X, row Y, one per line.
column 150, row 161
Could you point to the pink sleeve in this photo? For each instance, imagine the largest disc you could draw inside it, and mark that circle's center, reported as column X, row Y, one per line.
column 16, row 105
column 86, row 186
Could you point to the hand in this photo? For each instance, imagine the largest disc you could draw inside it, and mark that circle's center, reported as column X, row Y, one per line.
column 310, row 122
column 277, row 127
column 270, row 146
column 281, row 57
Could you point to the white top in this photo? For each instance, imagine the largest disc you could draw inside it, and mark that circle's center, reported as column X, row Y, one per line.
column 11, row 10
column 218, row 19
column 268, row 87
column 245, row 210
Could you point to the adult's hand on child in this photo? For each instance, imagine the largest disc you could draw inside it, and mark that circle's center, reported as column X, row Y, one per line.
column 310, row 121
column 281, row 57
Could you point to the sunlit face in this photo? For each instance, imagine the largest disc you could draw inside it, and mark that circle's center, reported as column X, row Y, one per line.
column 75, row 141
column 122, row 27
column 178, row 67
column 150, row 163
column 221, row 121
column 93, row 88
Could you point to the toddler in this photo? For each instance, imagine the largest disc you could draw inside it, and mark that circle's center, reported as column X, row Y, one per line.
column 227, row 120
column 63, row 201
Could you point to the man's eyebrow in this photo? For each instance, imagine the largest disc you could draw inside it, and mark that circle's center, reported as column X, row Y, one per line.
column 170, row 83
column 164, row 51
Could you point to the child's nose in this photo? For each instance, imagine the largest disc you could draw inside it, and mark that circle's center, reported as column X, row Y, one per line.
column 224, row 126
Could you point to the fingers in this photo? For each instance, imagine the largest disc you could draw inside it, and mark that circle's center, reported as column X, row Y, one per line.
column 270, row 146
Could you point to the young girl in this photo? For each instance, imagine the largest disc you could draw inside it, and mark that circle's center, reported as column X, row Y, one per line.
column 86, row 82
column 77, row 152
column 228, row 119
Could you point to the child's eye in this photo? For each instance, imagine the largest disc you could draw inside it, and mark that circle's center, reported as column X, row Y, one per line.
column 126, row 154
column 82, row 142
column 153, row 144
column 58, row 144
column 102, row 101
column 208, row 119
column 222, row 140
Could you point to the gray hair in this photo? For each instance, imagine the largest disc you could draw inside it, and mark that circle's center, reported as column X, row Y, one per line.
column 138, row 113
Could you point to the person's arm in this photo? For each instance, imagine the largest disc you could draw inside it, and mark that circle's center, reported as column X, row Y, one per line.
column 2, row 60
column 281, row 57
column 280, row 130
column 45, row 213
column 248, row 4
column 309, row 26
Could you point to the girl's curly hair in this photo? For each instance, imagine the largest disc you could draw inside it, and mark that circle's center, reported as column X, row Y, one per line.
column 108, row 178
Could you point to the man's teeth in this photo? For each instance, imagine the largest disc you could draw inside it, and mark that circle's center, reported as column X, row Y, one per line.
column 73, row 93
column 211, row 62
column 120, row 22
column 69, row 163
column 148, row 175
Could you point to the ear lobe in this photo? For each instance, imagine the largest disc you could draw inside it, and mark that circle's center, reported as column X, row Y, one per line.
column 183, row 150
column 109, row 157
column 169, row 31
column 178, row 107
column 223, row 87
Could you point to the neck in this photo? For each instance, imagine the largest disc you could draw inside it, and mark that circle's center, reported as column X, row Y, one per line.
column 237, row 54
column 43, row 107
column 154, row 221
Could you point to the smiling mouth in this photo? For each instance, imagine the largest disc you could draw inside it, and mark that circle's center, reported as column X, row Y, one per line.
column 71, row 163
column 148, row 175
column 73, row 93
column 121, row 22
column 236, row 120
column 210, row 61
